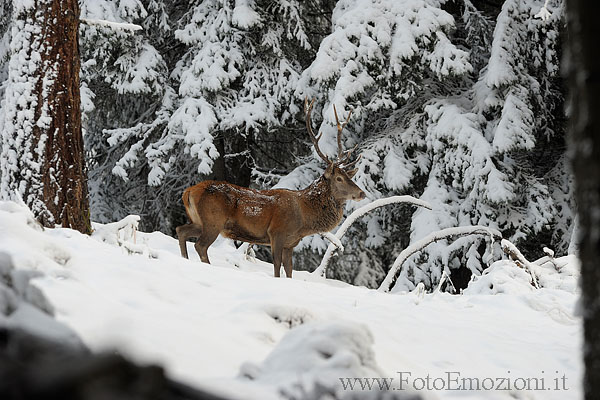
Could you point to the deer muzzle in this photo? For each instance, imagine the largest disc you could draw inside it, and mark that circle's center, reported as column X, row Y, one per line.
column 358, row 197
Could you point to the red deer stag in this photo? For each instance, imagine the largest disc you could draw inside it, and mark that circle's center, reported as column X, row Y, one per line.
column 276, row 217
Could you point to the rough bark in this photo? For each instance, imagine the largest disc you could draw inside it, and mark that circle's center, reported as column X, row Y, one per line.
column 64, row 175
column 583, row 68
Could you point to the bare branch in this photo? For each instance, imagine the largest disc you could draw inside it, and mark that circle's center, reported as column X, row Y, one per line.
column 513, row 252
column 419, row 245
column 321, row 269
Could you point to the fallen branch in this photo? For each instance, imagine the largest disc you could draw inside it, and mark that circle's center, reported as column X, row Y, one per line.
column 511, row 251
column 321, row 269
column 119, row 232
column 431, row 238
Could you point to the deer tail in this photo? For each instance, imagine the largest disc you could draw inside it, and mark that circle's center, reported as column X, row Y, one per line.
column 190, row 207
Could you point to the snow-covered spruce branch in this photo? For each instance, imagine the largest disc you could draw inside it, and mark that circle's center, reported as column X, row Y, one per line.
column 544, row 14
column 431, row 238
column 321, row 269
column 116, row 26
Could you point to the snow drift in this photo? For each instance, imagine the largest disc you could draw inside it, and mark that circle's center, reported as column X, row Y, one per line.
column 232, row 328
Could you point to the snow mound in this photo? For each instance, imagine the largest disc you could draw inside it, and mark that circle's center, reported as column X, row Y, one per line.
column 311, row 360
column 559, row 273
column 505, row 276
column 25, row 253
column 501, row 277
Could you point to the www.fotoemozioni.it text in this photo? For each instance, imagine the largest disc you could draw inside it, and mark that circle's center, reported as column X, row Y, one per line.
column 454, row 380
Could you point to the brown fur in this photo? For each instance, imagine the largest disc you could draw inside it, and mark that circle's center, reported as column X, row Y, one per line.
column 279, row 218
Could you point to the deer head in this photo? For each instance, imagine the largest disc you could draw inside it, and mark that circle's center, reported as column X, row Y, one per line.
column 339, row 171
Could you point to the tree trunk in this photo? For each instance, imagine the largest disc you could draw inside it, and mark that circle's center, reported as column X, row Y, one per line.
column 584, row 86
column 234, row 164
column 43, row 138
column 238, row 162
column 65, row 184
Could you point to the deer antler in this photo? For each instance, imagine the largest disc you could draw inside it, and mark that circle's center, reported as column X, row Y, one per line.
column 313, row 138
column 340, row 128
column 346, row 158
column 343, row 156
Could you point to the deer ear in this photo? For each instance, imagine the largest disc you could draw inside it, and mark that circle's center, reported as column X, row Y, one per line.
column 329, row 171
column 351, row 173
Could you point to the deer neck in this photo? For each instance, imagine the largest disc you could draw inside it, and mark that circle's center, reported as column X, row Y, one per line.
column 323, row 211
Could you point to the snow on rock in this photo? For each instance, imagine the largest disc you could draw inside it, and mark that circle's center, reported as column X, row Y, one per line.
column 22, row 304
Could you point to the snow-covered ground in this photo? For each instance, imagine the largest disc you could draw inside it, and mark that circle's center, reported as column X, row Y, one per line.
column 233, row 328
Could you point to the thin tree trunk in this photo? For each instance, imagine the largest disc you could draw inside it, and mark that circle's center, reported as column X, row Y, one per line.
column 584, row 84
column 234, row 162
column 64, row 175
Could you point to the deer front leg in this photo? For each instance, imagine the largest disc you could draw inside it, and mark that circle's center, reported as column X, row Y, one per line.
column 287, row 261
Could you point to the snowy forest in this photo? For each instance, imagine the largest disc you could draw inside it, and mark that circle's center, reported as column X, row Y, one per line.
column 458, row 114
column 457, row 103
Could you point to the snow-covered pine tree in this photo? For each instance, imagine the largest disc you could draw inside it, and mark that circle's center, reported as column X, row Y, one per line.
column 498, row 153
column 380, row 57
column 125, row 83
column 6, row 14
column 224, row 91
column 5, row 23
column 464, row 119
column 41, row 159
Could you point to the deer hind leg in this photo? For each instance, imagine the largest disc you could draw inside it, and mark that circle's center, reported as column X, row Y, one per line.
column 184, row 232
column 204, row 241
column 287, row 261
column 277, row 252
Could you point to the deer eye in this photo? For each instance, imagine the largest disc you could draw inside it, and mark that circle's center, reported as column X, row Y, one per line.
column 339, row 179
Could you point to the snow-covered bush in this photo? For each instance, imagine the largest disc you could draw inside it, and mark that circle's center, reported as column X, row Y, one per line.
column 506, row 276
column 501, row 277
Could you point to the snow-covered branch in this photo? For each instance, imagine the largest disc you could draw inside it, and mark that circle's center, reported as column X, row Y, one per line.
column 431, row 238
column 354, row 216
column 544, row 14
column 519, row 259
column 119, row 232
column 117, row 26
column 334, row 240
